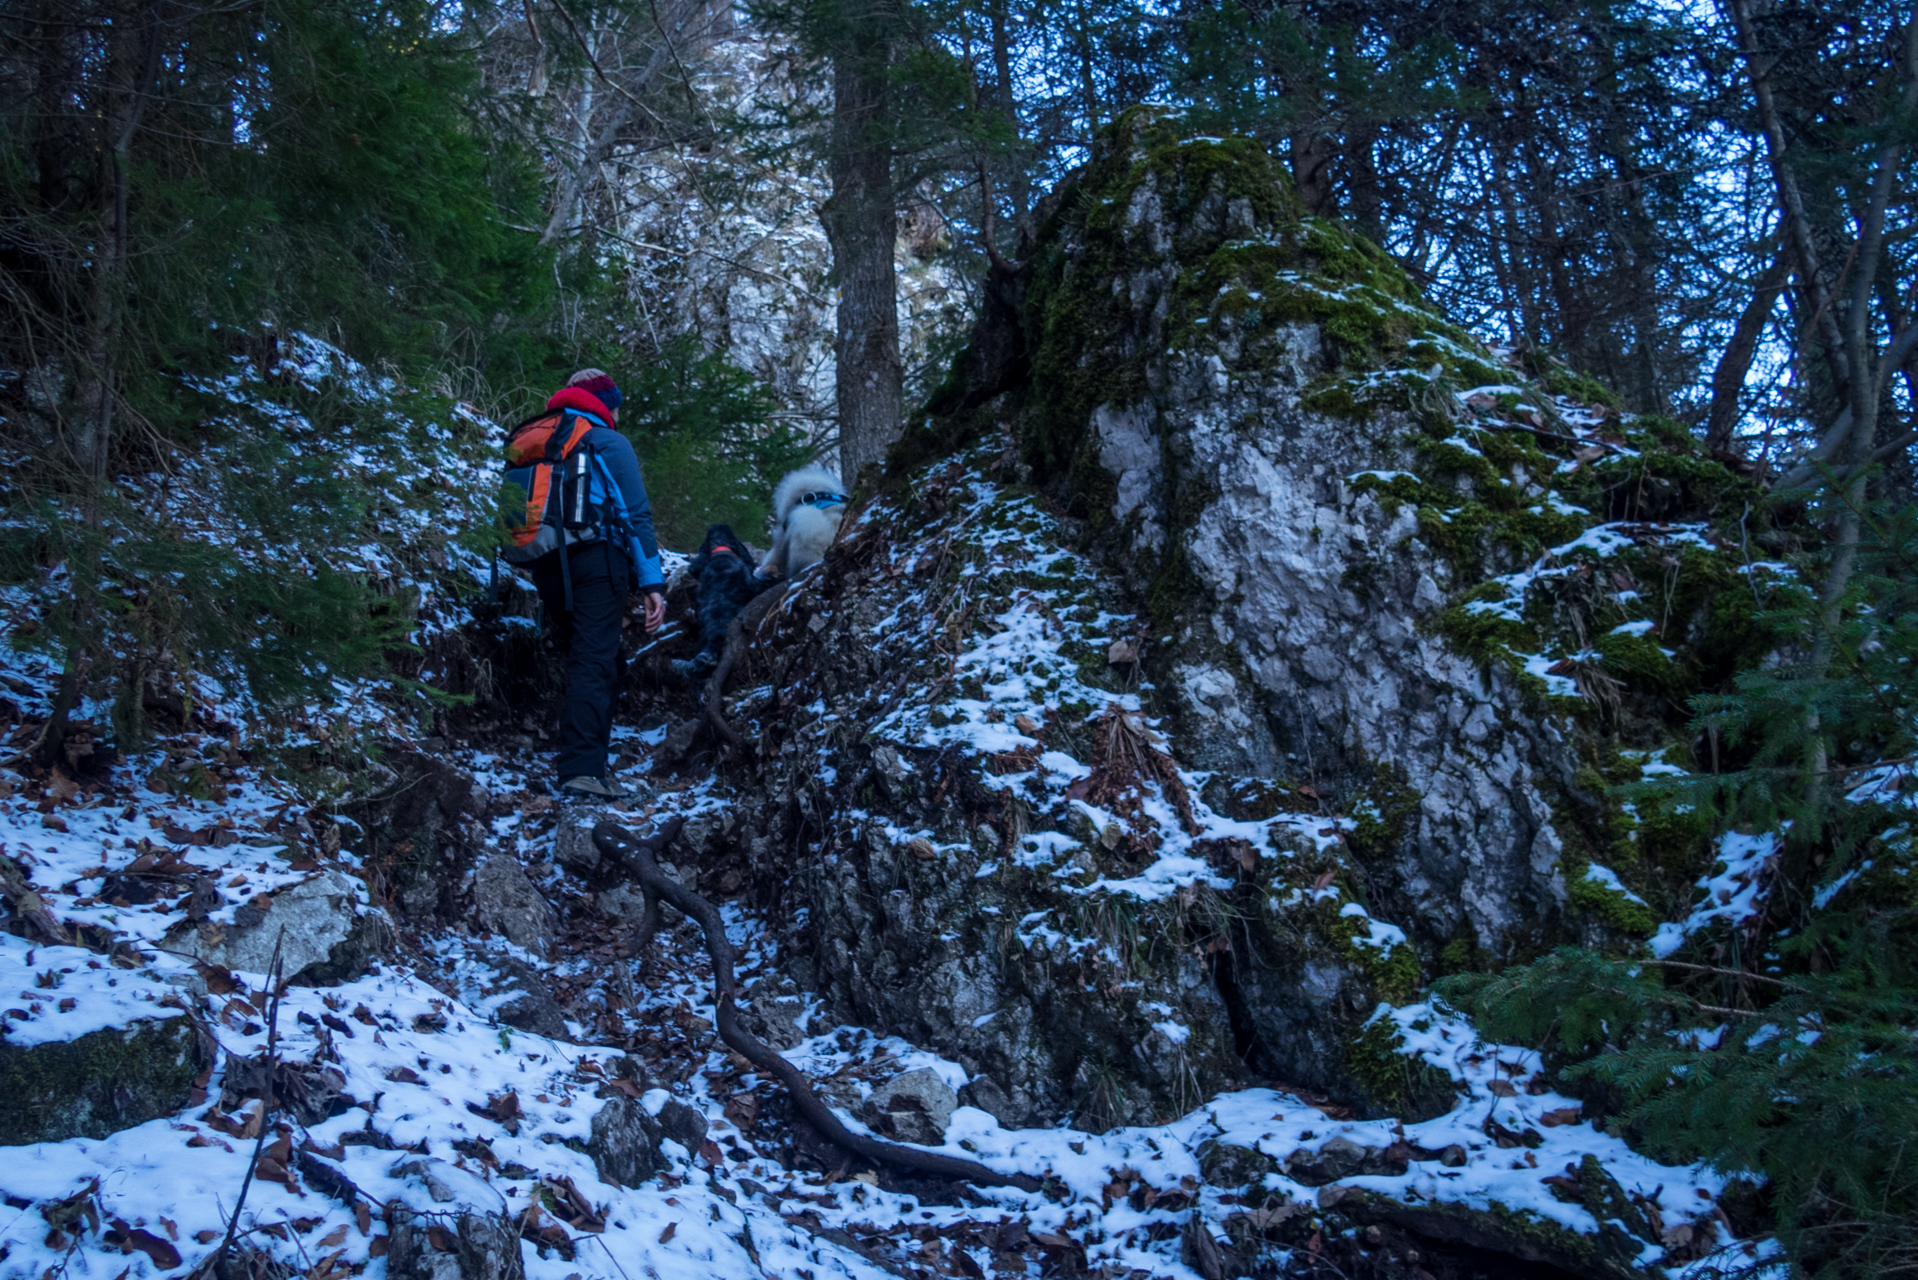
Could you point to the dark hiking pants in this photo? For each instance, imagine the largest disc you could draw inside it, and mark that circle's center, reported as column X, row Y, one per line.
column 589, row 635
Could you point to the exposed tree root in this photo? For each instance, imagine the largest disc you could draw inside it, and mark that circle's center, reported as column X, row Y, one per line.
column 738, row 637
column 640, row 855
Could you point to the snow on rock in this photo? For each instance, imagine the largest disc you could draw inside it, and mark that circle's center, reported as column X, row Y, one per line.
column 1013, row 869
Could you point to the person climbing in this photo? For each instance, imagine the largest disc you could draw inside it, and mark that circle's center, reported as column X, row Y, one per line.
column 586, row 535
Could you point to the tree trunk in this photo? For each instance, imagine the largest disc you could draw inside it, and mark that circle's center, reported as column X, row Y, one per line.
column 107, row 284
column 1364, row 194
column 862, row 224
column 1728, row 379
column 1015, row 182
column 1311, row 153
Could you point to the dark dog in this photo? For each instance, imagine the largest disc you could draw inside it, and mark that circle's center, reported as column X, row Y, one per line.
column 723, row 568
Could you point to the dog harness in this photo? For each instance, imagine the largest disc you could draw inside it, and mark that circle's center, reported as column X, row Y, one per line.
column 823, row 498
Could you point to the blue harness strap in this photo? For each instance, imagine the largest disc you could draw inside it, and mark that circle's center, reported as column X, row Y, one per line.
column 821, row 498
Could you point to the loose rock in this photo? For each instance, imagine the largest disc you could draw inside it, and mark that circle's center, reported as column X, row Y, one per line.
column 914, row 1107
column 99, row 1083
column 479, row 1246
column 625, row 1142
column 324, row 926
column 505, row 902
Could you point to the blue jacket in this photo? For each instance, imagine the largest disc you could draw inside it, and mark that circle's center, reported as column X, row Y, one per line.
column 619, row 468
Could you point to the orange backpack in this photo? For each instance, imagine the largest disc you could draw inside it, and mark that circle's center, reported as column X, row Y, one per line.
column 548, row 499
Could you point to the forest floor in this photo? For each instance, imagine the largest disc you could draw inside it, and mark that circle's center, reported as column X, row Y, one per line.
column 415, row 1091
column 424, row 1067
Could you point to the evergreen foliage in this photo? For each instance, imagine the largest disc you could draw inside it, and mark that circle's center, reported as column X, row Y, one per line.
column 180, row 186
column 341, row 168
column 1782, row 1047
column 706, row 442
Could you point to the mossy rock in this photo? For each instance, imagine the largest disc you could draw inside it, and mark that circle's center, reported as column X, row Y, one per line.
column 1394, row 1081
column 97, row 1084
column 1516, row 1233
column 1225, row 1164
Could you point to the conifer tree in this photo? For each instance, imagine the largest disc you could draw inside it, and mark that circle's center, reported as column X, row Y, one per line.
column 172, row 177
column 1785, row 1046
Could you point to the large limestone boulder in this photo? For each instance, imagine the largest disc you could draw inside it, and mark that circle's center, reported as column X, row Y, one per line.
column 1240, row 645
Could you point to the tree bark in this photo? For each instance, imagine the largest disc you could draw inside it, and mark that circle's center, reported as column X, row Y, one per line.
column 1311, row 153
column 1017, row 184
column 862, row 224
column 1728, row 378
column 641, row 856
column 131, row 45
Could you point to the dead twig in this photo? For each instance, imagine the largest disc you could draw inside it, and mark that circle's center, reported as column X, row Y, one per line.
column 29, row 906
column 641, row 856
column 275, row 992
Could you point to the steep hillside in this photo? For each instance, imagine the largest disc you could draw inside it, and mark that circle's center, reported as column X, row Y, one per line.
column 1234, row 647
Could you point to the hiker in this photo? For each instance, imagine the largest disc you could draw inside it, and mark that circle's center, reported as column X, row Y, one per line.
column 587, row 537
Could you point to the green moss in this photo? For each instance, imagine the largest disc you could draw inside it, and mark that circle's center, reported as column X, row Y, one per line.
column 97, row 1084
column 1248, row 799
column 1461, row 955
column 1383, row 812
column 1393, row 971
column 1225, row 170
column 1561, row 379
column 1395, row 1081
column 1222, row 1164
column 1487, row 638
column 1606, row 902
column 1606, row 1201
column 1610, row 1252
column 1639, row 660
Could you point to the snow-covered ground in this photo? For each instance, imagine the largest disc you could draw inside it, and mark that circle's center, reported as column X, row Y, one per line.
column 423, row 1069
column 443, row 1108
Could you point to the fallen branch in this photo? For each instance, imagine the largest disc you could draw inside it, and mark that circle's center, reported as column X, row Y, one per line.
column 1740, row 974
column 640, row 855
column 738, row 637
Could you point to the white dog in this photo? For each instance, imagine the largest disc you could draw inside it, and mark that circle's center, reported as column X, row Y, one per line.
column 807, row 508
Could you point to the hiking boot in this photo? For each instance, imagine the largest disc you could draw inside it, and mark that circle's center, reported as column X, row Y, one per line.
column 587, row 787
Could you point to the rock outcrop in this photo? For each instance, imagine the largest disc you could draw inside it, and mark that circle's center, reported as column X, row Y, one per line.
column 1233, row 650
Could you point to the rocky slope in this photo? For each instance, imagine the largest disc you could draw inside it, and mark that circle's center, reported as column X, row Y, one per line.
column 1235, row 647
